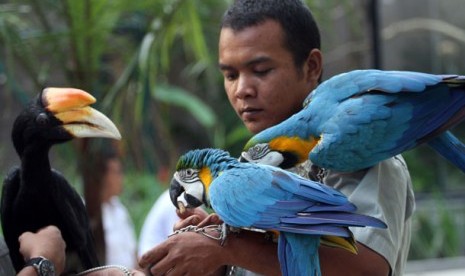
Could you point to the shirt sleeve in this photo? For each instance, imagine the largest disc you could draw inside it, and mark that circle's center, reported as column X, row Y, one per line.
column 384, row 192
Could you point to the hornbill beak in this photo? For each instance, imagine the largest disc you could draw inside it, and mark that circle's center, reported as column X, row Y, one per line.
column 71, row 107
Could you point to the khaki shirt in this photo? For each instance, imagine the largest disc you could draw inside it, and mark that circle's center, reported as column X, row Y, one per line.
column 384, row 192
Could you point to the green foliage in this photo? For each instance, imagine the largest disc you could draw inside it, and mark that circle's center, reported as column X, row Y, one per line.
column 141, row 190
column 177, row 96
column 435, row 232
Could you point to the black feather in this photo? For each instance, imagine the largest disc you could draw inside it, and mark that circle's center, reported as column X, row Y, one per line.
column 34, row 195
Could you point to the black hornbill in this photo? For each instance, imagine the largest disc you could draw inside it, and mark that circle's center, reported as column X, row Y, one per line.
column 35, row 195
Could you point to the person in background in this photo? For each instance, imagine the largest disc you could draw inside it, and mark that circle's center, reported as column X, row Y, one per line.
column 270, row 58
column 119, row 233
column 158, row 224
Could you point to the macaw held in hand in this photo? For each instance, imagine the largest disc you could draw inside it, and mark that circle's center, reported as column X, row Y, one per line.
column 357, row 119
column 247, row 195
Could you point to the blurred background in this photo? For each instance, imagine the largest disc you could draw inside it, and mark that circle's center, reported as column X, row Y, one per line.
column 152, row 65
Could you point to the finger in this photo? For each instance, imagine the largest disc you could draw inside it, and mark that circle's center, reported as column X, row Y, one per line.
column 24, row 236
column 171, row 271
column 192, row 220
column 187, row 213
column 163, row 267
column 138, row 272
column 211, row 219
column 154, row 255
column 50, row 228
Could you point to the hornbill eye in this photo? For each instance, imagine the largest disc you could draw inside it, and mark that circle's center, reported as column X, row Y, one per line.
column 42, row 119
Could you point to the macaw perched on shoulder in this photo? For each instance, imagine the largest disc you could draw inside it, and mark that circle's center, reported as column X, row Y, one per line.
column 357, row 119
column 247, row 195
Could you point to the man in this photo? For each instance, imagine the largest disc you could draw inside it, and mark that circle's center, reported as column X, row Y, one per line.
column 270, row 59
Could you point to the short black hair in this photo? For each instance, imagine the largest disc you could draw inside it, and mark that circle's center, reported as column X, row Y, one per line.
column 300, row 28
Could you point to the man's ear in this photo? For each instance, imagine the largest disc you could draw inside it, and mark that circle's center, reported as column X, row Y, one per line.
column 314, row 66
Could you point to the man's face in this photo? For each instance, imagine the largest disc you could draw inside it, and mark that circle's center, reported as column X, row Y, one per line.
column 260, row 78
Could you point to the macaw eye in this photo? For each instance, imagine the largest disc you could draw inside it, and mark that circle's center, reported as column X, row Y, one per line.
column 42, row 119
column 189, row 172
column 258, row 151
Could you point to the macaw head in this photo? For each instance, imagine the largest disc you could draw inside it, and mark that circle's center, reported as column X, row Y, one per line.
column 279, row 151
column 195, row 171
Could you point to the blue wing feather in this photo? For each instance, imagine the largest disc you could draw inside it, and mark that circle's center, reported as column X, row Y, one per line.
column 349, row 219
column 365, row 116
column 262, row 196
column 380, row 114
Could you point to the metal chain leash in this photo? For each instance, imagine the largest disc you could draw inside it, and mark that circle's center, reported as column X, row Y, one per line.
column 124, row 269
column 221, row 230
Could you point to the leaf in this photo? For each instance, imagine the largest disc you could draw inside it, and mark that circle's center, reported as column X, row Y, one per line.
column 182, row 98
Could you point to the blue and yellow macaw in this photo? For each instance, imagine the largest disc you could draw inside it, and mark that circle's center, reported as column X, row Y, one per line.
column 265, row 197
column 357, row 119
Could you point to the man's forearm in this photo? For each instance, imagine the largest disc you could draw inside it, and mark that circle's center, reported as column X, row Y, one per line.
column 253, row 252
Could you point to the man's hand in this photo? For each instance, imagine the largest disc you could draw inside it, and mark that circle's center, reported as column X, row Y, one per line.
column 47, row 242
column 196, row 216
column 187, row 253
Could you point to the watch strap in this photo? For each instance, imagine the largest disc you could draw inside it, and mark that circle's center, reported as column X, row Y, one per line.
column 37, row 263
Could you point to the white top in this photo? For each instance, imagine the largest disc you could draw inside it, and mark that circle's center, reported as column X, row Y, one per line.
column 158, row 224
column 120, row 238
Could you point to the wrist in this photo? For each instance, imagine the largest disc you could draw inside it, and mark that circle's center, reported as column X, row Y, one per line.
column 253, row 251
column 41, row 265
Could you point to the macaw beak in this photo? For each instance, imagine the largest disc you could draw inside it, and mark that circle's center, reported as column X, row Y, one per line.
column 175, row 191
column 180, row 198
column 71, row 107
column 244, row 157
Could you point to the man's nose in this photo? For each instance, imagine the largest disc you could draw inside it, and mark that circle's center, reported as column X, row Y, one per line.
column 245, row 87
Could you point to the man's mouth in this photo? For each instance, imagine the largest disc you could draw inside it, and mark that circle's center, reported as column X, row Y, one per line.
column 249, row 111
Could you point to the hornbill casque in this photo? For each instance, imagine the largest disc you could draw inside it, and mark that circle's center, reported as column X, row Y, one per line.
column 35, row 195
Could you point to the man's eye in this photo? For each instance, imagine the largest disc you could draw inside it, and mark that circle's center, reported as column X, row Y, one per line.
column 230, row 76
column 262, row 72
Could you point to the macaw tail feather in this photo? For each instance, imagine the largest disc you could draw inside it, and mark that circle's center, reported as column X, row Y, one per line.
column 298, row 254
column 334, row 218
column 347, row 243
column 450, row 148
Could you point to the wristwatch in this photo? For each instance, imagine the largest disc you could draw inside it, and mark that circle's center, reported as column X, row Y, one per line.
column 42, row 265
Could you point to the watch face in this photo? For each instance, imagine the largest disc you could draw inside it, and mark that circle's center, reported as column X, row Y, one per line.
column 46, row 268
